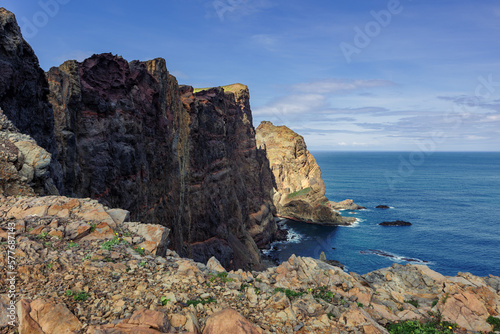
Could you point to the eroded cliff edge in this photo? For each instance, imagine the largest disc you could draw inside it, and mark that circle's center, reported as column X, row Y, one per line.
column 129, row 136
column 299, row 189
column 23, row 97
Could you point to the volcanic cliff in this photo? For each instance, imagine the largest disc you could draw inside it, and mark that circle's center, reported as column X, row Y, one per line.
column 299, row 189
column 126, row 134
column 130, row 137
column 23, row 96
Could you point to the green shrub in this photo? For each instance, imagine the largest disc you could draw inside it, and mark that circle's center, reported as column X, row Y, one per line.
column 164, row 300
column 220, row 277
column 434, row 302
column 83, row 296
column 495, row 322
column 412, row 302
column 323, row 293
column 108, row 245
column 299, row 193
column 140, row 250
column 202, row 301
column 290, row 293
column 413, row 326
column 68, row 293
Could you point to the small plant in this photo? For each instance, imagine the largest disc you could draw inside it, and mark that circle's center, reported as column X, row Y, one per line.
column 164, row 300
column 92, row 227
column 243, row 287
column 445, row 298
column 81, row 296
column 202, row 301
column 323, row 293
column 495, row 322
column 142, row 264
column 413, row 326
column 221, row 277
column 72, row 244
column 330, row 316
column 87, row 256
column 299, row 193
column 412, row 302
column 434, row 302
column 50, row 265
column 30, row 229
column 139, row 250
column 290, row 293
column 68, row 293
column 258, row 280
column 108, row 245
column 42, row 235
column 360, row 305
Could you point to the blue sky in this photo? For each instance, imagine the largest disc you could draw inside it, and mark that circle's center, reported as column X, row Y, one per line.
column 347, row 75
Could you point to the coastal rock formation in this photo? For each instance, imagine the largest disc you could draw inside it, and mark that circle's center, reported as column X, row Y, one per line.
column 347, row 204
column 24, row 166
column 130, row 137
column 396, row 223
column 100, row 282
column 299, row 189
column 24, row 90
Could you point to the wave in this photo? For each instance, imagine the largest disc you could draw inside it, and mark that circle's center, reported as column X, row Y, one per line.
column 393, row 257
column 293, row 237
column 355, row 224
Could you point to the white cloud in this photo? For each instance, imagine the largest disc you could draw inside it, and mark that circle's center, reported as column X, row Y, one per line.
column 293, row 104
column 78, row 55
column 265, row 40
column 336, row 86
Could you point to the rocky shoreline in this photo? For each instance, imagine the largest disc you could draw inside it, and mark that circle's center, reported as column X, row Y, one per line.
column 83, row 268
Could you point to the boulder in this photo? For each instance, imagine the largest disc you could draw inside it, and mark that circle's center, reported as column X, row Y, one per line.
column 156, row 236
column 45, row 316
column 231, row 322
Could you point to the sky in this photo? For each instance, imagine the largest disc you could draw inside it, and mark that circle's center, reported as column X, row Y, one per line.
column 365, row 75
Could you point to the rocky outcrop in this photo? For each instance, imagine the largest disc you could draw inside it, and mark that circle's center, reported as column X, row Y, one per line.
column 24, row 166
column 24, row 91
column 130, row 137
column 347, row 204
column 396, row 223
column 66, row 270
column 299, row 191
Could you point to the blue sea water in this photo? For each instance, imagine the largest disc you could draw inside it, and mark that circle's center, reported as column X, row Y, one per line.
column 452, row 200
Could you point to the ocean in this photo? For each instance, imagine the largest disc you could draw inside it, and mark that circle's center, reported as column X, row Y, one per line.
column 452, row 200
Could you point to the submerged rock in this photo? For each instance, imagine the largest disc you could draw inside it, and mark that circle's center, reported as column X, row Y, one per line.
column 396, row 223
column 382, row 207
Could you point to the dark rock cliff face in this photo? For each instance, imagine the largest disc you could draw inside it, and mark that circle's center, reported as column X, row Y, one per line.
column 299, row 189
column 128, row 136
column 23, row 92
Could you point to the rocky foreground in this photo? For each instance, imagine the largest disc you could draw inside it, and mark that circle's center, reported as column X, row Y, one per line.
column 82, row 268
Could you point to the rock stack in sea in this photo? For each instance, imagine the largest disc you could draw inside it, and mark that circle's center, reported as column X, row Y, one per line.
column 299, row 190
